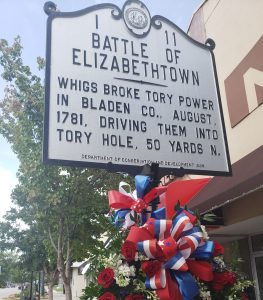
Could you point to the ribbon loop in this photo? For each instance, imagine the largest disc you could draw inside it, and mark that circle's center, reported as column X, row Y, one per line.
column 150, row 248
column 158, row 281
column 187, row 285
column 205, row 251
column 177, row 262
column 122, row 190
column 139, row 206
column 138, row 201
column 168, row 247
column 181, row 223
column 188, row 244
column 141, row 184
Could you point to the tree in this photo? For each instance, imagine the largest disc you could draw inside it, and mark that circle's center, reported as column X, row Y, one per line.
column 64, row 202
column 11, row 269
column 32, row 246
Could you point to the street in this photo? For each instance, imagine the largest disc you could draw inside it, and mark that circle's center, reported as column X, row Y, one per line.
column 7, row 292
column 4, row 293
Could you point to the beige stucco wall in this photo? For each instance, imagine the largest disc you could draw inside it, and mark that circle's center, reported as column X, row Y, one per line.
column 236, row 26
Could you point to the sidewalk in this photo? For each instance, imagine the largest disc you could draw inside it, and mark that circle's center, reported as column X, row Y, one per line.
column 58, row 296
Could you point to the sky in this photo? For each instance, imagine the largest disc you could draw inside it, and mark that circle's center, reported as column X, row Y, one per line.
column 27, row 19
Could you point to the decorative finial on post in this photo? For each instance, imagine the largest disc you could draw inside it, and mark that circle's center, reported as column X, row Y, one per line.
column 50, row 7
column 210, row 43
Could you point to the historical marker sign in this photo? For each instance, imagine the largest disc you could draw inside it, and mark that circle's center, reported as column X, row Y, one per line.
column 127, row 89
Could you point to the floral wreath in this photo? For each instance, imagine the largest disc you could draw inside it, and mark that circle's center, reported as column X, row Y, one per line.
column 161, row 258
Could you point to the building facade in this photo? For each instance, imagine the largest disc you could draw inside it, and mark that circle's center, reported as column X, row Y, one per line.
column 236, row 26
column 79, row 279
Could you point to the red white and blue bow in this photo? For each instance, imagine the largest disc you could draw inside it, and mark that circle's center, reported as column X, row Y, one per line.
column 129, row 203
column 174, row 243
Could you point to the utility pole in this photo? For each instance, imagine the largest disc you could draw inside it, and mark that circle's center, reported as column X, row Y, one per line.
column 43, row 284
column 31, row 286
column 39, row 284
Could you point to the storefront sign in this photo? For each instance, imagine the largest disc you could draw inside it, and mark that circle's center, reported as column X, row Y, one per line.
column 124, row 89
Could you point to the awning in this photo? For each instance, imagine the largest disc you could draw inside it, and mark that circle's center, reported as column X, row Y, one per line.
column 247, row 177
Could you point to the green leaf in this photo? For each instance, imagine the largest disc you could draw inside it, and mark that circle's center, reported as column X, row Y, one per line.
column 209, row 217
column 177, row 206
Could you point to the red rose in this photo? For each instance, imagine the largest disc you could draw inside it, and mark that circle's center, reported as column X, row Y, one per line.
column 230, row 278
column 219, row 277
column 135, row 297
column 218, row 281
column 244, row 297
column 218, row 249
column 107, row 296
column 128, row 250
column 106, row 278
column 217, row 286
column 223, row 278
column 150, row 268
